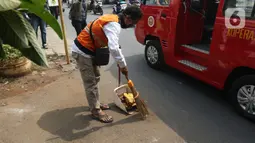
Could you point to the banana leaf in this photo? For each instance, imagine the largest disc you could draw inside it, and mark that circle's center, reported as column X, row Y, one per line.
column 12, row 29
column 25, row 40
column 9, row 4
column 16, row 31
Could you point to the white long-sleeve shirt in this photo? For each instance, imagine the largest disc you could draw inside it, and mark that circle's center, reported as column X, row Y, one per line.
column 112, row 32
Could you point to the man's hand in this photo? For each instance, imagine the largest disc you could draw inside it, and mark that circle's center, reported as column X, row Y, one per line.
column 124, row 71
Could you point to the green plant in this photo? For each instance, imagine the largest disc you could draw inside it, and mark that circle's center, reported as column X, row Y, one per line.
column 17, row 32
column 12, row 56
column 10, row 53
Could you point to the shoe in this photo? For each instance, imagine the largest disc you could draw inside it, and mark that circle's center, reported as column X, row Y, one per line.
column 45, row 46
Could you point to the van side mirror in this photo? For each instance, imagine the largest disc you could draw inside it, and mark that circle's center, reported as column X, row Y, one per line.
column 196, row 4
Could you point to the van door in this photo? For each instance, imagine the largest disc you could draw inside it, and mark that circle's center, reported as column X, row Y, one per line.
column 232, row 44
column 194, row 16
column 157, row 19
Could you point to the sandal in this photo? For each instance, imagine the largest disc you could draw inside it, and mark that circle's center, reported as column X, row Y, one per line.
column 104, row 106
column 105, row 118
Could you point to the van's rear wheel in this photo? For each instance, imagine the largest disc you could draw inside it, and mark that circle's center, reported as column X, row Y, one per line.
column 154, row 55
column 242, row 95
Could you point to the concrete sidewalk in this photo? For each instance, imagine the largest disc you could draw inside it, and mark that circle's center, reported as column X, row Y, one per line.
column 55, row 44
column 59, row 113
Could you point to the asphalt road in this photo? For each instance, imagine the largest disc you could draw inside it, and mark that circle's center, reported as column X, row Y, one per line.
column 194, row 110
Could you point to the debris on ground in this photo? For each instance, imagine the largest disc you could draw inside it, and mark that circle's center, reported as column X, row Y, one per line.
column 38, row 78
column 3, row 104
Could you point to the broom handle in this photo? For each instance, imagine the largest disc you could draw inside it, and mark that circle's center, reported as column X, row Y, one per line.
column 119, row 78
column 127, row 77
column 132, row 88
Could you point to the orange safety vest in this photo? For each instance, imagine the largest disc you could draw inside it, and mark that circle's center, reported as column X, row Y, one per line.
column 97, row 32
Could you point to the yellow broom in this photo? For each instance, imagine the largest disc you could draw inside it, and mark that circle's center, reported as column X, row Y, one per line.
column 140, row 104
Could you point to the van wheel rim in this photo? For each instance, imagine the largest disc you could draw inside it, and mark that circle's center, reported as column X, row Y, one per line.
column 152, row 54
column 246, row 98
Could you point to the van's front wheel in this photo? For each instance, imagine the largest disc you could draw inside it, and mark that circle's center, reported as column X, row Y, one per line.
column 242, row 95
column 154, row 55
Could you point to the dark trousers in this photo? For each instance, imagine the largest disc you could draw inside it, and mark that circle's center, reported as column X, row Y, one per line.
column 36, row 22
column 54, row 11
column 79, row 25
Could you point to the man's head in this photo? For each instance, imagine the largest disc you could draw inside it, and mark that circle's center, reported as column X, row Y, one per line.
column 131, row 15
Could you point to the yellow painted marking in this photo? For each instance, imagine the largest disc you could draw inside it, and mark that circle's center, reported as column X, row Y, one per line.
column 245, row 34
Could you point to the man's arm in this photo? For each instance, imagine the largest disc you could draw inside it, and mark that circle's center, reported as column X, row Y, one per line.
column 112, row 32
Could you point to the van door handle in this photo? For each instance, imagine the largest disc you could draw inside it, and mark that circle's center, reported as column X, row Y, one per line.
column 163, row 15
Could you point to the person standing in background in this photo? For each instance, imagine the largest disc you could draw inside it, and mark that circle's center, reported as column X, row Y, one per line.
column 36, row 22
column 78, row 15
column 84, row 14
column 54, row 11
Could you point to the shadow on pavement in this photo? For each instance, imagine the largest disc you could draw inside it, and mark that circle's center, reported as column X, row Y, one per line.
column 194, row 110
column 70, row 123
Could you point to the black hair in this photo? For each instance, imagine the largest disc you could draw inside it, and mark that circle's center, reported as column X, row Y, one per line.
column 134, row 12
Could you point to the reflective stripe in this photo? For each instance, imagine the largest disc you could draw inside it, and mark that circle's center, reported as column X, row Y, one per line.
column 87, row 30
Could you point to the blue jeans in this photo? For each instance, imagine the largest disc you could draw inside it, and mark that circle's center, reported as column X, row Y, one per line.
column 36, row 22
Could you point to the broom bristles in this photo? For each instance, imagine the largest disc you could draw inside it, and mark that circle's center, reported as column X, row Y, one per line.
column 140, row 104
column 142, row 107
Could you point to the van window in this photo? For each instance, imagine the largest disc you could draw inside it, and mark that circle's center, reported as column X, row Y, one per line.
column 247, row 5
column 157, row 2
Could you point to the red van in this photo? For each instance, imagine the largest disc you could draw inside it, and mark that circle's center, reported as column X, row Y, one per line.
column 211, row 40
